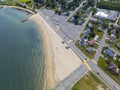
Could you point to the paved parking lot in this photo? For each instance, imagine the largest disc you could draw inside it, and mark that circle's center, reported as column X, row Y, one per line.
column 71, row 31
column 69, row 81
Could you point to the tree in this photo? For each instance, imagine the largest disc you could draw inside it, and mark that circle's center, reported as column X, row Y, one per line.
column 94, row 11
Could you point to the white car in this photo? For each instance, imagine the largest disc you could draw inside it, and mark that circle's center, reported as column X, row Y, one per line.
column 67, row 47
column 116, row 87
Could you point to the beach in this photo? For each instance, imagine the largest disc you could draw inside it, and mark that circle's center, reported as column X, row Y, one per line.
column 59, row 61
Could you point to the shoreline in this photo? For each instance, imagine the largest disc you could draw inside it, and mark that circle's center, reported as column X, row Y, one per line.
column 46, row 45
column 59, row 61
column 47, row 52
column 19, row 8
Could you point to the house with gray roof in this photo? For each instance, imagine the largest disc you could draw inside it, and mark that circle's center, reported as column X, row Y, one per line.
column 113, row 15
column 90, row 49
column 110, row 53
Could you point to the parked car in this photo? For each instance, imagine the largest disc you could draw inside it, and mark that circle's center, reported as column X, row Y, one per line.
column 67, row 47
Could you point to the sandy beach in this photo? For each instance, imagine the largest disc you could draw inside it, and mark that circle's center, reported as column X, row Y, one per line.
column 60, row 62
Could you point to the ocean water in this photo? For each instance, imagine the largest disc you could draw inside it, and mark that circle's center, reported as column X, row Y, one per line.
column 21, row 52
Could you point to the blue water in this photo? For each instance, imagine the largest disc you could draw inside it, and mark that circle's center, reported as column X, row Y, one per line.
column 21, row 52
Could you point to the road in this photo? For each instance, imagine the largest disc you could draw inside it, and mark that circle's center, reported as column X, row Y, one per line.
column 86, row 21
column 82, row 56
column 70, row 80
column 102, row 75
column 75, row 76
column 101, row 45
column 73, row 13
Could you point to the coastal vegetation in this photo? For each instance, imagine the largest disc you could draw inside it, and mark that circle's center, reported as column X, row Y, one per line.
column 89, row 82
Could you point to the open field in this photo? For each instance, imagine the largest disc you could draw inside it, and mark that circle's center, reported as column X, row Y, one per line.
column 102, row 63
column 89, row 82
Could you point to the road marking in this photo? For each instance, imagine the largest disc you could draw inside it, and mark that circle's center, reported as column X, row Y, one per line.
column 87, row 65
column 94, row 62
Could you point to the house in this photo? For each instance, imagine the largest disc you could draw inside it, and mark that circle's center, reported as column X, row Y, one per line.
column 88, row 31
column 101, row 14
column 96, row 37
column 112, row 38
column 110, row 53
column 113, row 15
column 113, row 31
column 116, row 71
column 90, row 25
column 100, row 22
column 100, row 28
column 91, row 43
column 82, row 42
column 89, row 49
column 2, row 0
column 86, row 39
column 112, row 66
column 118, row 46
column 93, row 20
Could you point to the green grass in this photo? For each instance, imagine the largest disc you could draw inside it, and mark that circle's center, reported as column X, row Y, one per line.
column 24, row 1
column 113, row 44
column 119, row 21
column 82, row 34
column 95, row 46
column 89, row 82
column 83, row 49
column 111, row 59
column 102, row 63
column 95, row 29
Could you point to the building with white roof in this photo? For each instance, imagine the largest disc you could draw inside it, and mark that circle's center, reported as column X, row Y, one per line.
column 101, row 14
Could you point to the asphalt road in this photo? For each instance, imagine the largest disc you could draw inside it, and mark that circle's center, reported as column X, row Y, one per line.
column 102, row 75
column 73, row 13
column 71, row 79
column 101, row 45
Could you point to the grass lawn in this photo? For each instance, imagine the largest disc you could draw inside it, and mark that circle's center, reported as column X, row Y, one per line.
column 102, row 63
column 95, row 29
column 113, row 44
column 83, row 49
column 89, row 82
column 111, row 59
column 119, row 21
column 24, row 1
column 82, row 34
